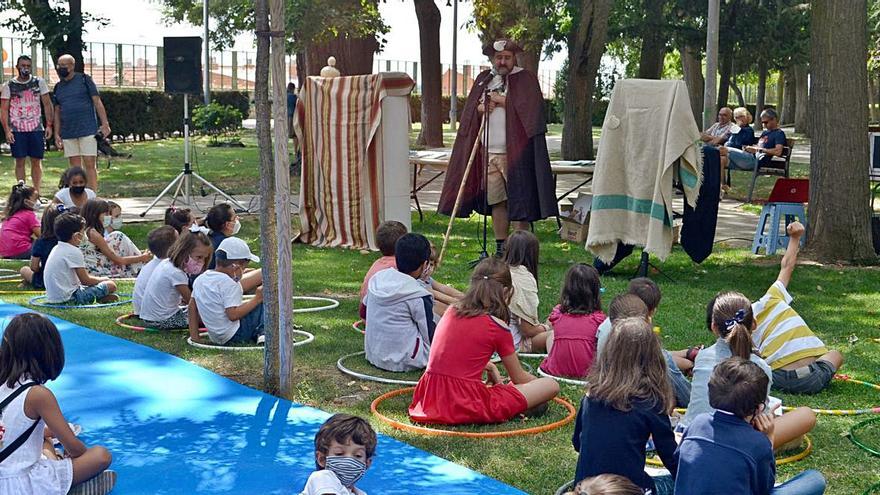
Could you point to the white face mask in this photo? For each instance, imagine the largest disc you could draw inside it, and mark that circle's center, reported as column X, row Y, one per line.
column 116, row 223
column 236, row 227
column 108, row 221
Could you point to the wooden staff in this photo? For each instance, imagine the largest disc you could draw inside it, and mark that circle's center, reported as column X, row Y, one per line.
column 467, row 170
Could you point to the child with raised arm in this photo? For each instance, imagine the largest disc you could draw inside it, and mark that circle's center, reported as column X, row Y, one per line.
column 344, row 449
column 32, row 354
column 451, row 391
column 801, row 362
column 731, row 449
column 66, row 277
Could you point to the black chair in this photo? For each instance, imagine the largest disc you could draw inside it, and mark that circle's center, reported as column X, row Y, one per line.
column 778, row 166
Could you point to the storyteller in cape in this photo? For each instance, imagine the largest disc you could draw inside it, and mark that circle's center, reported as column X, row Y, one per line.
column 520, row 184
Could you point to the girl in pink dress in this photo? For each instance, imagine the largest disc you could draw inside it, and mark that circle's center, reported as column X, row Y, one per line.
column 452, row 390
column 20, row 225
column 575, row 320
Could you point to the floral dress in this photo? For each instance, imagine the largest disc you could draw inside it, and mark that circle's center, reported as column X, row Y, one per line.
column 100, row 265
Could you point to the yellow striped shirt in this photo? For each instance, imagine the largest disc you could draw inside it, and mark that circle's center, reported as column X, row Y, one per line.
column 782, row 336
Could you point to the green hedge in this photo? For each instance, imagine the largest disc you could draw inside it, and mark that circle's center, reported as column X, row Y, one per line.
column 415, row 106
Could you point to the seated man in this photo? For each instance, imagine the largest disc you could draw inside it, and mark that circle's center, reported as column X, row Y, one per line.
column 719, row 132
column 800, row 361
column 770, row 144
column 400, row 318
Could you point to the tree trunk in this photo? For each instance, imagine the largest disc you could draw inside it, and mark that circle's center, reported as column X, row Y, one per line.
column 762, row 93
column 529, row 59
column 741, row 101
column 780, row 92
column 586, row 44
column 301, row 69
column 802, row 98
column 872, row 97
column 725, row 71
column 692, row 67
column 60, row 37
column 790, row 91
column 428, row 15
column 840, row 217
column 653, row 41
column 354, row 56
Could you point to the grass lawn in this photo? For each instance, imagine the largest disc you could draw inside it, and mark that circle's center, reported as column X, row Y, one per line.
column 838, row 302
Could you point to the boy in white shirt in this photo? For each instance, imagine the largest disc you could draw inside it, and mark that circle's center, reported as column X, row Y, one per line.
column 344, row 448
column 159, row 242
column 65, row 274
column 217, row 298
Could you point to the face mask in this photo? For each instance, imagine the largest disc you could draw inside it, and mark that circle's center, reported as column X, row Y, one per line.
column 193, row 267
column 24, row 72
column 108, row 221
column 31, row 205
column 236, row 227
column 78, row 189
column 63, row 72
column 348, row 469
column 116, row 223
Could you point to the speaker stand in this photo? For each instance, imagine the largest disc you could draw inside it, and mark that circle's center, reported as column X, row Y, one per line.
column 183, row 183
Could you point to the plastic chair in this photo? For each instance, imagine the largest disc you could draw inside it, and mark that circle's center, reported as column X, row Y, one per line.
column 786, row 202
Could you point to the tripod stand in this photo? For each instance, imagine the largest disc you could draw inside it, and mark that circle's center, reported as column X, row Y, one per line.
column 485, row 149
column 184, row 180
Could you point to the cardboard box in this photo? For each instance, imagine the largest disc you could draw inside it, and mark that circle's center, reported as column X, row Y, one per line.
column 576, row 222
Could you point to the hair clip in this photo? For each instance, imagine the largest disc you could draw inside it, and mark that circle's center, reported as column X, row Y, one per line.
column 61, row 208
column 738, row 317
column 172, row 208
column 485, row 277
column 196, row 228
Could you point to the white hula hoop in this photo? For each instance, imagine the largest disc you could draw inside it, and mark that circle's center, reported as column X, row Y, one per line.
column 369, row 378
column 333, row 304
column 213, row 347
column 8, row 274
column 570, row 381
column 536, row 355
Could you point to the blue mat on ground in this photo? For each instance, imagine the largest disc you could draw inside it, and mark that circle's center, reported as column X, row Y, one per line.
column 174, row 427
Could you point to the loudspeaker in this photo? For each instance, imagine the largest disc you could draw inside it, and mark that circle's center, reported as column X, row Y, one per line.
column 183, row 65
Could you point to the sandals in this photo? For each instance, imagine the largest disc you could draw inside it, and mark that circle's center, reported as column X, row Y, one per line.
column 101, row 484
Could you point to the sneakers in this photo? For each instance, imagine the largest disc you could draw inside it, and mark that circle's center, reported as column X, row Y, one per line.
column 99, row 485
column 261, row 340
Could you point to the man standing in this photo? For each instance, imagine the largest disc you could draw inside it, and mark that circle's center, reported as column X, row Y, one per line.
column 77, row 102
column 20, row 115
column 717, row 133
column 520, row 184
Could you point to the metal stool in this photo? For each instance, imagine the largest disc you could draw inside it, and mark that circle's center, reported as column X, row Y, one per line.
column 772, row 213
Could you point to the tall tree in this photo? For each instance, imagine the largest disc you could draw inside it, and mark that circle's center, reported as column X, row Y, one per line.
column 653, row 49
column 586, row 44
column 692, row 67
column 801, row 99
column 531, row 23
column 840, row 215
column 428, row 15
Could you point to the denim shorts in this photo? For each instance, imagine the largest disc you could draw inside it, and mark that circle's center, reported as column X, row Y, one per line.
column 28, row 144
column 88, row 295
column 249, row 327
column 804, row 380
column 741, row 160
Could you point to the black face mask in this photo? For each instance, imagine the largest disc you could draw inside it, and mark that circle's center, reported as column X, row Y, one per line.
column 24, row 72
column 63, row 72
column 78, row 189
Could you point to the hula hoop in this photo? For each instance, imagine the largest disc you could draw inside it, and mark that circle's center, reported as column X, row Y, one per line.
column 9, row 274
column 34, row 301
column 364, row 376
column 357, row 326
column 213, row 347
column 808, row 448
column 374, row 408
column 121, row 322
column 535, row 355
column 564, row 488
column 569, row 381
column 845, row 412
column 860, row 443
column 333, row 304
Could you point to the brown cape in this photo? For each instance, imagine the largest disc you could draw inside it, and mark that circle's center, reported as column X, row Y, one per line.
column 531, row 193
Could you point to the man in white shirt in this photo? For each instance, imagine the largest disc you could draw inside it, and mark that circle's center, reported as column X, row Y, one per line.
column 717, row 133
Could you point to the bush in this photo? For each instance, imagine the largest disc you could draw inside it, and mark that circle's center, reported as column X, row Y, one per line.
column 215, row 119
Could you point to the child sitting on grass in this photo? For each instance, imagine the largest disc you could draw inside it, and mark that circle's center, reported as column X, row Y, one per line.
column 20, row 225
column 344, row 449
column 167, row 294
column 179, row 218
column 521, row 254
column 731, row 320
column 387, row 235
column 73, row 192
column 217, row 298
column 159, row 242
column 223, row 222
column 32, row 354
column 443, row 295
column 115, row 256
column 606, row 484
column 66, row 277
column 400, row 310
column 114, row 224
column 628, row 400
column 571, row 345
column 731, row 449
column 800, row 361
column 451, row 390
column 33, row 273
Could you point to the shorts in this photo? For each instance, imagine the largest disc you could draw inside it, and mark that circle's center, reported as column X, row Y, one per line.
column 178, row 320
column 249, row 327
column 810, row 379
column 497, row 179
column 525, row 345
column 82, row 146
column 88, row 295
column 741, row 160
column 28, row 144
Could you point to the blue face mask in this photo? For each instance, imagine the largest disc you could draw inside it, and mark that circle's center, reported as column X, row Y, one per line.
column 348, row 469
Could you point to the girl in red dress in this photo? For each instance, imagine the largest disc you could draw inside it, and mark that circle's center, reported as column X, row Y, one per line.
column 575, row 320
column 452, row 390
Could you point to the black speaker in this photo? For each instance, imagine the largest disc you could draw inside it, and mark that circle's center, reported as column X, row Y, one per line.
column 183, row 65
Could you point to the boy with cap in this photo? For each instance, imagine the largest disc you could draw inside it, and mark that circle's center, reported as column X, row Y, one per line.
column 217, row 298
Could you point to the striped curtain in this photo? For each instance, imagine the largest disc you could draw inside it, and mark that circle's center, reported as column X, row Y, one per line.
column 338, row 125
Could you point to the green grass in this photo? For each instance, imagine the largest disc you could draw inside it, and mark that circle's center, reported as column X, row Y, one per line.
column 837, row 302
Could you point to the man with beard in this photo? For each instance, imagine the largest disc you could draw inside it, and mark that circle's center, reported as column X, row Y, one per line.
column 520, row 184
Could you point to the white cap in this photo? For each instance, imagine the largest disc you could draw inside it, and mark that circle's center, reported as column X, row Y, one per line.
column 237, row 249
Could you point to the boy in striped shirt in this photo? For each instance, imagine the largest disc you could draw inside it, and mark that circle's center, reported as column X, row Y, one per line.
column 800, row 361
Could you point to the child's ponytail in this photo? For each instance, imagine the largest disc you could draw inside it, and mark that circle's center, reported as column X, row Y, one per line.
column 489, row 291
column 18, row 199
column 732, row 317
